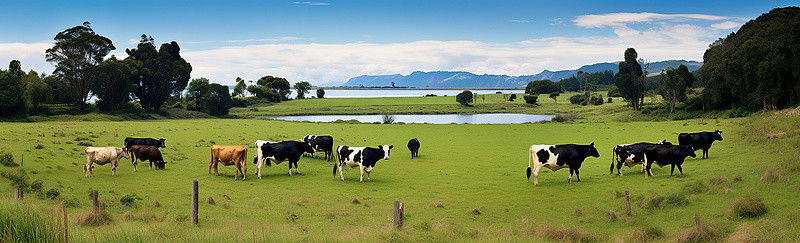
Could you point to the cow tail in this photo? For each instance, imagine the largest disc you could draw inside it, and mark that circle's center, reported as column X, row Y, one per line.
column 613, row 157
column 530, row 158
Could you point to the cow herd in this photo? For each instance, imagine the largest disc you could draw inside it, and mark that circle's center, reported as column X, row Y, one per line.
column 553, row 157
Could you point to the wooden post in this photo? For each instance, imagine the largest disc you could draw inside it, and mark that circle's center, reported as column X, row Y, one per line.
column 398, row 215
column 21, row 160
column 95, row 201
column 628, row 201
column 194, row 202
column 18, row 193
column 66, row 225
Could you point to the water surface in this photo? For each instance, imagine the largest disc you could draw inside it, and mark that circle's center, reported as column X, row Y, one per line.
column 492, row 118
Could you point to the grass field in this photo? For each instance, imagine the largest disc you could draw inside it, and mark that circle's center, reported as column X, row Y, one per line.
column 468, row 183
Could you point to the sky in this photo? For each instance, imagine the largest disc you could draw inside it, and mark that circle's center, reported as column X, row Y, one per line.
column 328, row 42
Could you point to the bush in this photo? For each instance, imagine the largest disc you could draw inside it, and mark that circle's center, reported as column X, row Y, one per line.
column 36, row 186
column 596, row 100
column 128, row 200
column 217, row 101
column 512, row 97
column 387, row 119
column 748, row 207
column 654, row 201
column 21, row 222
column 52, row 193
column 700, row 232
column 320, row 93
column 613, row 91
column 18, row 179
column 531, row 98
column 609, row 100
column 464, row 98
column 85, row 144
column 7, row 159
column 645, row 234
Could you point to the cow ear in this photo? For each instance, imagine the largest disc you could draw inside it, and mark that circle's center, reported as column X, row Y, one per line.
column 592, row 144
column 391, row 146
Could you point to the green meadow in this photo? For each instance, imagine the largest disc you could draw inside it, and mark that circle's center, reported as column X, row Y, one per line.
column 468, row 184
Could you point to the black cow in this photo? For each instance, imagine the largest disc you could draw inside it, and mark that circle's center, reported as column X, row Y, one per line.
column 363, row 157
column 146, row 152
column 700, row 140
column 144, row 141
column 666, row 155
column 555, row 157
column 630, row 155
column 413, row 145
column 324, row 143
column 280, row 152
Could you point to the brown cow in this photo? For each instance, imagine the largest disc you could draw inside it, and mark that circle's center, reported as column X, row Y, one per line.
column 146, row 152
column 229, row 155
column 103, row 156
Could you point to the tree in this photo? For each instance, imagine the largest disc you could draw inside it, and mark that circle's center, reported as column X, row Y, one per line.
column 217, row 101
column 464, row 98
column 554, row 96
column 12, row 90
column 262, row 92
column 164, row 73
column 197, row 90
column 302, row 88
column 113, row 83
column 629, row 79
column 240, row 87
column 531, row 98
column 36, row 90
column 77, row 50
column 673, row 85
column 544, row 86
column 278, row 84
column 320, row 93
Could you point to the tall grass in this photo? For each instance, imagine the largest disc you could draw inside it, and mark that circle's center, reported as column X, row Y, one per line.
column 24, row 223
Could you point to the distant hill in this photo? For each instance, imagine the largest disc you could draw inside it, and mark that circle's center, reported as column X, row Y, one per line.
column 441, row 79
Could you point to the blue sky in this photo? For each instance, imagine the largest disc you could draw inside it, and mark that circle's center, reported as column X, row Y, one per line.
column 331, row 41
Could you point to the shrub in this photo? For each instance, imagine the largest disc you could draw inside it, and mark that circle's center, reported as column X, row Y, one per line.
column 554, row 96
column 700, row 232
column 512, row 97
column 217, row 101
column 53, row 193
column 771, row 175
column 7, row 159
column 645, row 234
column 596, row 100
column 531, row 98
column 128, row 200
column 22, row 223
column 654, row 201
column 719, row 180
column 86, row 144
column 94, row 218
column 387, row 119
column 609, row 100
column 748, row 207
column 39, row 146
column 464, row 98
column 18, row 179
column 36, row 185
column 320, row 93
column 698, row 186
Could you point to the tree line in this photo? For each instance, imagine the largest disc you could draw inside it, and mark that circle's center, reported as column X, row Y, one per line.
column 146, row 81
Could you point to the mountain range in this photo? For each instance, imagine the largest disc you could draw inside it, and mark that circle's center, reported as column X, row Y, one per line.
column 441, row 79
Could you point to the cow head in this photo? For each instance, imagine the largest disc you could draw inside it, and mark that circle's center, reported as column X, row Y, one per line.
column 386, row 149
column 306, row 147
column 664, row 141
column 162, row 142
column 688, row 150
column 593, row 151
column 621, row 152
column 718, row 135
column 125, row 153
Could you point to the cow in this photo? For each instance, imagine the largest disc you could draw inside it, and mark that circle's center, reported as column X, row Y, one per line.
column 700, row 140
column 324, row 143
column 280, row 152
column 146, row 152
column 555, row 157
column 363, row 157
column 144, row 141
column 413, row 145
column 229, row 155
column 103, row 155
column 666, row 155
column 630, row 155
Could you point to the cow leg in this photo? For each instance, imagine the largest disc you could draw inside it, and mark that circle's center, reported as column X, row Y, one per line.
column 86, row 168
column 151, row 163
column 341, row 174
column 114, row 167
column 216, row 172
column 578, row 174
column 236, row 170
column 368, row 177
column 647, row 171
column 296, row 168
column 362, row 173
column 571, row 171
column 290, row 168
column 680, row 169
column 536, row 168
column 705, row 153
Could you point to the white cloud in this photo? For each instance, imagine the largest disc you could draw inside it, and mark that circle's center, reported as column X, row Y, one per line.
column 519, row 21
column 556, row 21
column 279, row 39
column 30, row 54
column 726, row 25
column 618, row 19
column 313, row 3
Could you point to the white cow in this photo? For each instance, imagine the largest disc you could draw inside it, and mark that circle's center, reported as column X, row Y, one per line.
column 258, row 158
column 363, row 157
column 103, row 156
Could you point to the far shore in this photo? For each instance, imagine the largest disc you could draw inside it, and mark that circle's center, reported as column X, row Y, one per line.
column 414, row 88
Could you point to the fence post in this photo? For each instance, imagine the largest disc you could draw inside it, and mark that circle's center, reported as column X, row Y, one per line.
column 18, row 193
column 628, row 201
column 398, row 215
column 194, row 202
column 95, row 201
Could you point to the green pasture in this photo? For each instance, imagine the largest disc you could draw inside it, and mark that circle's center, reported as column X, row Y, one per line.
column 468, row 183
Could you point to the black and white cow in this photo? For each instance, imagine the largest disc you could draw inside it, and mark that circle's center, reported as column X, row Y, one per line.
column 555, row 157
column 700, row 140
column 413, row 146
column 324, row 143
column 144, row 141
column 363, row 157
column 630, row 155
column 280, row 152
column 663, row 155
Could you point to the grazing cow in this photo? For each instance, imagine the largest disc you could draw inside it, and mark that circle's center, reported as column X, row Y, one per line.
column 324, row 143
column 280, row 152
column 700, row 140
column 229, row 155
column 103, row 156
column 630, row 155
column 146, row 152
column 144, row 141
column 666, row 155
column 413, row 145
column 555, row 157
column 363, row 157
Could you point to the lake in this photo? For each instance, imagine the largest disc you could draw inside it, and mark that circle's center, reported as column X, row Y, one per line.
column 493, row 118
column 370, row 93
